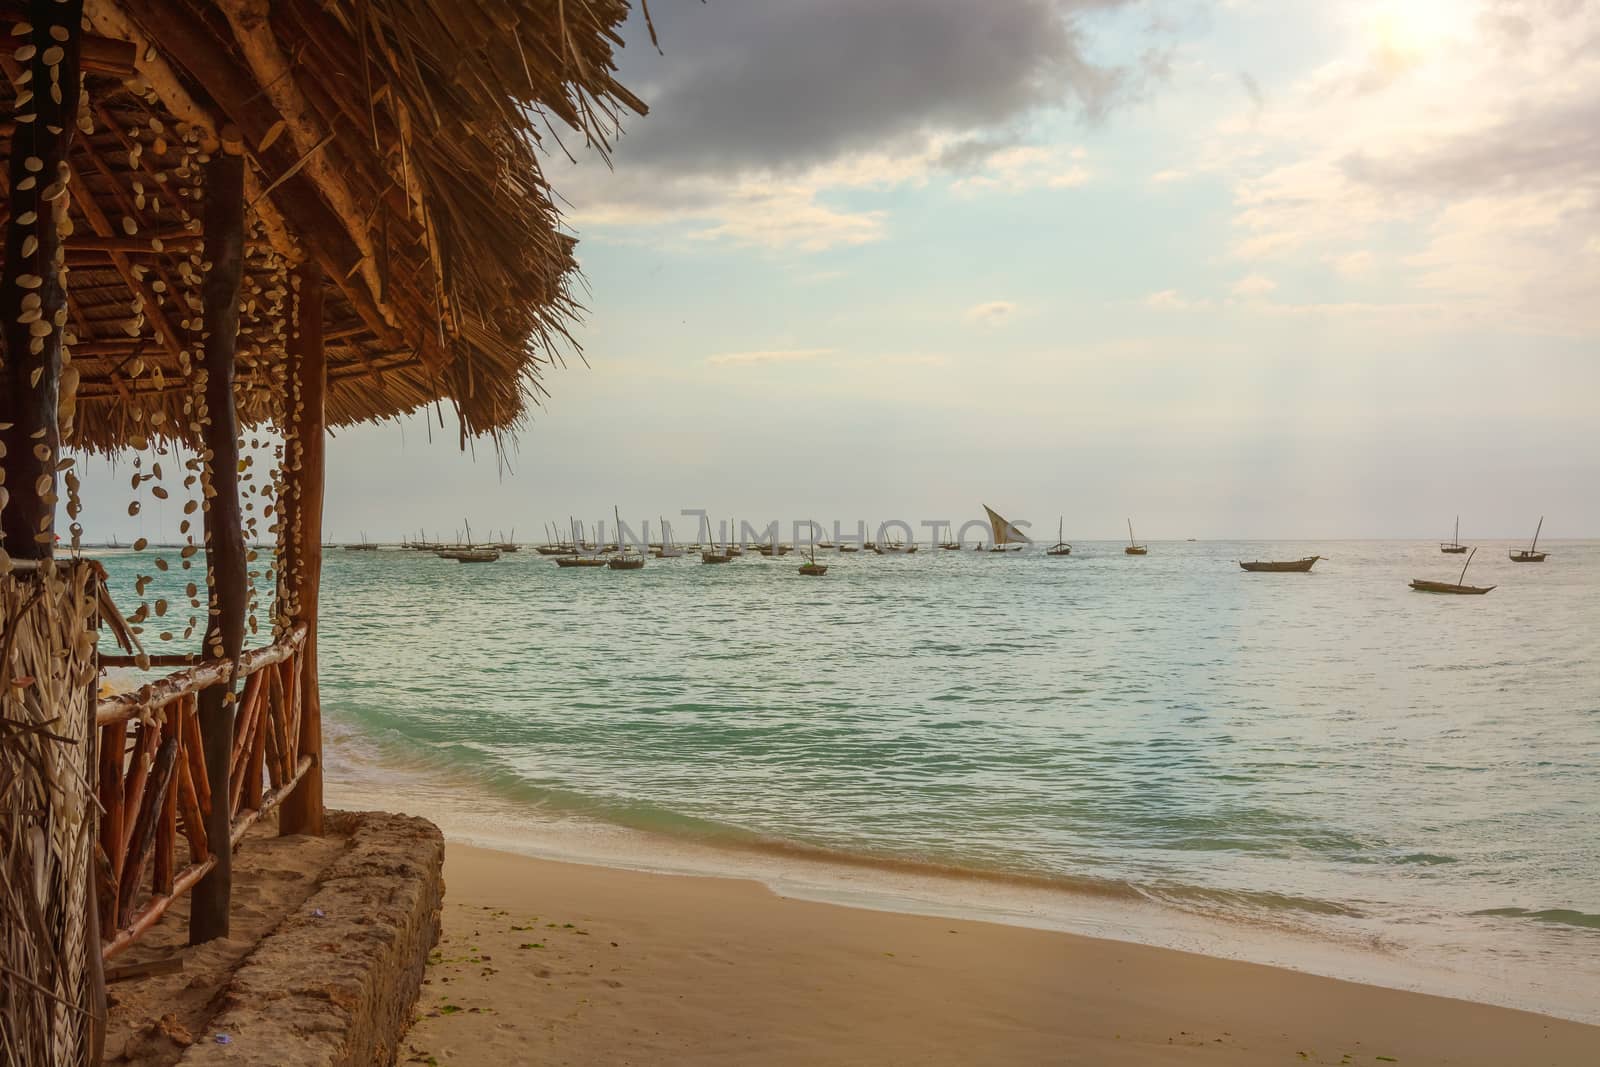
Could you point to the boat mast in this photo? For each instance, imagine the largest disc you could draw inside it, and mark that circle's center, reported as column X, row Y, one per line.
column 1457, row 540
column 1130, row 533
column 1462, row 580
column 1535, row 546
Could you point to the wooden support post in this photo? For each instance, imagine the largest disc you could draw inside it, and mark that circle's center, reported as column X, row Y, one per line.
column 308, row 383
column 226, row 574
column 33, row 286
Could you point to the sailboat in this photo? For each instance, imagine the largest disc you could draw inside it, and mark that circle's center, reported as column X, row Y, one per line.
column 576, row 558
column 510, row 545
column 1422, row 585
column 710, row 554
column 813, row 569
column 1455, row 547
column 1007, row 538
column 1060, row 548
column 1531, row 554
column 1134, row 548
column 625, row 560
column 364, row 546
column 667, row 550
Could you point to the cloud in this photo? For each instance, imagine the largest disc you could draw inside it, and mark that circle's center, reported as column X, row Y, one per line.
column 1166, row 177
column 1352, row 264
column 1172, row 300
column 771, row 355
column 1023, row 167
column 993, row 313
column 769, row 118
column 1464, row 148
column 771, row 84
column 1253, row 285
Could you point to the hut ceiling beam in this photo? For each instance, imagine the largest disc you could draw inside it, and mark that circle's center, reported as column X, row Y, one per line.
column 98, row 54
column 186, row 36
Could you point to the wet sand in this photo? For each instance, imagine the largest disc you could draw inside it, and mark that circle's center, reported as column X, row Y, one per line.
column 563, row 963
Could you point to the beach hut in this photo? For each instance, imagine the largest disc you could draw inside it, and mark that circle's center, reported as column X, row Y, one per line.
column 226, row 222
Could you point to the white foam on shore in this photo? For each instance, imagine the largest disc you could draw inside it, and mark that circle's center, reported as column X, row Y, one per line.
column 468, row 813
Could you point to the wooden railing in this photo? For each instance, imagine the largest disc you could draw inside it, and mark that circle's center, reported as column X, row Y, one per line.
column 153, row 787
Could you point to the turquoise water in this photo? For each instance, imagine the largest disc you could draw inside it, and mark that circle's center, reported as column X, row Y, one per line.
column 1327, row 753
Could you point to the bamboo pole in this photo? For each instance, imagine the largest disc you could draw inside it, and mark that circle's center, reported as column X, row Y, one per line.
column 308, row 378
column 157, row 907
column 226, row 575
column 167, row 825
column 33, row 285
column 186, row 683
column 143, row 841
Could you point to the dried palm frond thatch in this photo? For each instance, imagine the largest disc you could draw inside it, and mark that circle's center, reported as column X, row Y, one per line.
column 47, row 814
column 396, row 143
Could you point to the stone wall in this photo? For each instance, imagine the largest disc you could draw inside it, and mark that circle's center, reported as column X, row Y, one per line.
column 335, row 984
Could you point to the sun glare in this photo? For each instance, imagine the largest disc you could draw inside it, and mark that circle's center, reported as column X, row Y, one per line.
column 1417, row 26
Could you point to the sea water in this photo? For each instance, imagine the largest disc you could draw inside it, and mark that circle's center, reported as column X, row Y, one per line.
column 1325, row 770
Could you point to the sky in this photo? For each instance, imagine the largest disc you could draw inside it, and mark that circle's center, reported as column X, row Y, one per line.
column 1246, row 268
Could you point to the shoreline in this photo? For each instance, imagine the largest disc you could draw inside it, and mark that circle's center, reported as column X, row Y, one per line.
column 589, row 963
column 799, row 873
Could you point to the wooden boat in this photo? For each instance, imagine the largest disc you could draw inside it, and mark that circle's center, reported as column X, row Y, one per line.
column 1531, row 554
column 1422, row 585
column 950, row 546
column 1455, row 547
column 1281, row 566
column 626, row 560
column 1060, row 548
column 1134, row 548
column 471, row 555
column 711, row 555
column 813, row 569
column 849, row 548
column 667, row 550
column 363, row 546
column 580, row 561
column 511, row 545
column 1007, row 538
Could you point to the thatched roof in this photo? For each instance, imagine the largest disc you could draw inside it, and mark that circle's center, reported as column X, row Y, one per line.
column 392, row 141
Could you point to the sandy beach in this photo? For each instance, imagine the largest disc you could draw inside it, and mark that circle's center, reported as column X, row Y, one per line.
column 563, row 963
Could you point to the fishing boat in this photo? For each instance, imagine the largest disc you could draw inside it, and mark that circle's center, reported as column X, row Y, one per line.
column 1455, row 547
column 950, row 546
column 813, row 569
column 711, row 555
column 667, row 550
column 1281, row 566
column 509, row 545
column 1134, row 548
column 1060, row 548
column 626, row 560
column 362, row 546
column 576, row 558
column 1531, row 554
column 1422, row 585
column 1007, row 538
column 849, row 548
column 471, row 555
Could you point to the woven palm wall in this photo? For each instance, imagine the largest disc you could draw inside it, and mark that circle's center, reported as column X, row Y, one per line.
column 48, row 991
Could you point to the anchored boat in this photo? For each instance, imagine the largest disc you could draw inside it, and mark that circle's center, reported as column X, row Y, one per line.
column 1060, row 548
column 1134, row 548
column 1455, row 547
column 1531, row 554
column 1422, row 585
column 1292, row 565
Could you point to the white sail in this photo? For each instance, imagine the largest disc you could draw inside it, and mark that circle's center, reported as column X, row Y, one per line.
column 1005, row 533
